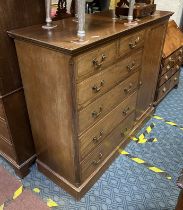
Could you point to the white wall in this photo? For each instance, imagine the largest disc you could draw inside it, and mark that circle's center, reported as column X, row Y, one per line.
column 171, row 5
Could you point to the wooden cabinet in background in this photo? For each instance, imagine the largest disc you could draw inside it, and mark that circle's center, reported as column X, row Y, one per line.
column 16, row 144
column 86, row 100
column 172, row 60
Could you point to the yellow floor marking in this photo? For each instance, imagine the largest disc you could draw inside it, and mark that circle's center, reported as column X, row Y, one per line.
column 18, row 193
column 138, row 160
column 2, row 207
column 142, row 141
column 149, row 129
column 157, row 170
column 171, row 123
column 158, row 117
column 36, row 190
column 51, row 203
column 123, row 152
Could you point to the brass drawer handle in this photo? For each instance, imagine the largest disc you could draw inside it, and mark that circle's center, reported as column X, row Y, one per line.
column 128, row 90
column 96, row 162
column 132, row 45
column 166, row 77
column 164, row 90
column 180, row 58
column 96, row 114
column 97, row 139
column 97, row 63
column 125, row 111
column 175, row 79
column 96, row 88
column 171, row 60
column 131, row 67
column 177, row 67
column 168, row 67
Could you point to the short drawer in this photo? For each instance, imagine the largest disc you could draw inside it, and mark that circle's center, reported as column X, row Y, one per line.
column 2, row 114
column 165, row 77
column 94, row 160
column 166, row 69
column 90, row 139
column 7, row 149
column 4, row 132
column 170, row 61
column 96, row 60
column 164, row 89
column 129, row 43
column 100, row 83
column 101, row 106
column 175, row 79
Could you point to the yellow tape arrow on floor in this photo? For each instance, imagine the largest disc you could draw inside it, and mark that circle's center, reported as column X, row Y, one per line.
column 142, row 138
column 146, row 164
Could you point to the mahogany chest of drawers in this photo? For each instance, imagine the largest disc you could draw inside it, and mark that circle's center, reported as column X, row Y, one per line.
column 86, row 100
column 16, row 144
column 172, row 59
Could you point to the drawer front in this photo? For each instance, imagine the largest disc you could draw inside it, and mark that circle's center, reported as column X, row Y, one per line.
column 7, row 149
column 93, row 161
column 131, row 42
column 170, row 61
column 175, row 79
column 166, row 69
column 163, row 90
column 100, row 83
column 165, row 77
column 101, row 106
column 90, row 139
column 96, row 60
column 2, row 114
column 172, row 69
column 4, row 131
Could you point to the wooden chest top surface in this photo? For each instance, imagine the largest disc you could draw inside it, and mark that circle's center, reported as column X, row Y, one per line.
column 99, row 29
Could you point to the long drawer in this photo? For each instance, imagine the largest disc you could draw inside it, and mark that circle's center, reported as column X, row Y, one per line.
column 98, row 84
column 130, row 43
column 96, row 60
column 94, row 160
column 101, row 106
column 7, row 148
column 90, row 139
column 4, row 130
